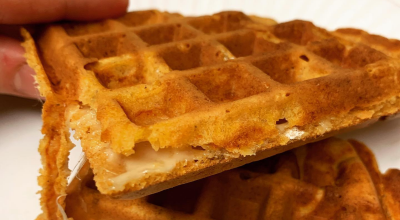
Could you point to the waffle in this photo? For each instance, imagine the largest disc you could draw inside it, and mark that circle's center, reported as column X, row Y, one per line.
column 209, row 93
column 331, row 179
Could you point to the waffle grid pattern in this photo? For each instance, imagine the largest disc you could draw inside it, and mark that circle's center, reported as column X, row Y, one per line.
column 228, row 83
column 203, row 63
column 186, row 43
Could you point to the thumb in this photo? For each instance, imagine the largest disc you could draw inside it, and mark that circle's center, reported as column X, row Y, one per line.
column 16, row 77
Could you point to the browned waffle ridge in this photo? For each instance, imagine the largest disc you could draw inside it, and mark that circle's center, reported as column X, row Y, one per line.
column 330, row 179
column 228, row 85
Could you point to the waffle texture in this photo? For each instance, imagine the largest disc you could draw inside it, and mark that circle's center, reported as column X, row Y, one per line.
column 330, row 179
column 236, row 88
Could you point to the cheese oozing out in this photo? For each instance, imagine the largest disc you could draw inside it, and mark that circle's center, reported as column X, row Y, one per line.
column 146, row 161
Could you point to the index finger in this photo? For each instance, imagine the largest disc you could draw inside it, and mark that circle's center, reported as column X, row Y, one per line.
column 36, row 11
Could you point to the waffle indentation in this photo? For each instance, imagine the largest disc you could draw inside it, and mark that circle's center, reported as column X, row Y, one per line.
column 107, row 45
column 294, row 67
column 229, row 83
column 116, row 72
column 185, row 56
column 362, row 55
column 155, row 104
column 220, row 23
column 330, row 49
column 128, row 70
column 165, row 34
column 281, row 68
column 299, row 32
column 239, row 44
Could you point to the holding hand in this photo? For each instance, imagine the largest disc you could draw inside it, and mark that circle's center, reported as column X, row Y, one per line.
column 16, row 77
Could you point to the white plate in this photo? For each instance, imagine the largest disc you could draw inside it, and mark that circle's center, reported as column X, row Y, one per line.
column 20, row 120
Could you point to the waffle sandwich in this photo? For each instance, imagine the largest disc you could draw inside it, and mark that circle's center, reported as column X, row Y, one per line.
column 159, row 99
column 330, row 179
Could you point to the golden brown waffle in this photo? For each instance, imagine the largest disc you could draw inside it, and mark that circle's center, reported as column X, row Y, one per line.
column 207, row 90
column 330, row 179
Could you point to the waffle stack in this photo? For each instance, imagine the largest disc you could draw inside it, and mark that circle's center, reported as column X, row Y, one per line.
column 159, row 99
column 330, row 179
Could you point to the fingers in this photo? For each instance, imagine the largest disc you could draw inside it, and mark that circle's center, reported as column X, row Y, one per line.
column 16, row 77
column 35, row 11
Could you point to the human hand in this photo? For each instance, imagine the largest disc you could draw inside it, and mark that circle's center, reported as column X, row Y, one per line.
column 16, row 77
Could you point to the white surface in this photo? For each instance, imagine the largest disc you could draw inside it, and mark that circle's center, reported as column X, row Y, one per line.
column 377, row 16
column 20, row 120
column 20, row 124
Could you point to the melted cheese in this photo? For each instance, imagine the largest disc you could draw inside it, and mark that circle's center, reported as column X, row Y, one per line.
column 147, row 161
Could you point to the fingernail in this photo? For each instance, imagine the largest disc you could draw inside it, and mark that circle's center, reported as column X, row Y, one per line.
column 25, row 83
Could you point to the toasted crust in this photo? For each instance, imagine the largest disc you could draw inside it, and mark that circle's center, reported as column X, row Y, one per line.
column 232, row 84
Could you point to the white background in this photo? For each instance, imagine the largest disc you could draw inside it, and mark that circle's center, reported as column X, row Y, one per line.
column 20, row 120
